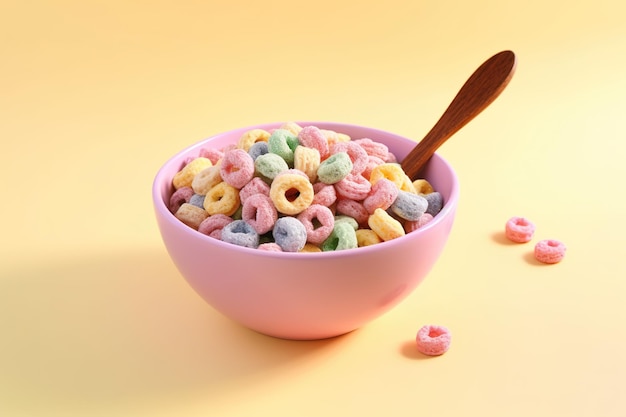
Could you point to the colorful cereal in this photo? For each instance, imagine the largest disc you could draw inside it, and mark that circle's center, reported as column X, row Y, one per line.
column 519, row 229
column 433, row 340
column 549, row 251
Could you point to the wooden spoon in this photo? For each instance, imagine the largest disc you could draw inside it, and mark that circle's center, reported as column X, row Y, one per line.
column 478, row 92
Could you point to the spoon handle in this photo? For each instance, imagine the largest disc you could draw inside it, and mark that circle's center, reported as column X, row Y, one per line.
column 480, row 90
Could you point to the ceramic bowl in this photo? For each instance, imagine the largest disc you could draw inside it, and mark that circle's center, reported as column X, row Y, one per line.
column 305, row 296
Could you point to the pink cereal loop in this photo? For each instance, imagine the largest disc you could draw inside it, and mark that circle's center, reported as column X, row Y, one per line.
column 433, row 340
column 382, row 195
column 357, row 155
column 313, row 137
column 180, row 196
column 376, row 149
column 519, row 229
column 213, row 225
column 324, row 216
column 325, row 194
column 353, row 209
column 255, row 186
column 213, row 155
column 270, row 247
column 411, row 226
column 549, row 251
column 372, row 162
column 354, row 187
column 237, row 168
column 259, row 212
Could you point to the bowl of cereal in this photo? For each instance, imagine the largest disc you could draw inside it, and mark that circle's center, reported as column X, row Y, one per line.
column 304, row 230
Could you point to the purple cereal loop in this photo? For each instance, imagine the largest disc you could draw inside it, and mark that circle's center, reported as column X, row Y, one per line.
column 259, row 212
column 213, row 225
column 240, row 233
column 324, row 217
column 289, row 234
column 180, row 196
column 237, row 168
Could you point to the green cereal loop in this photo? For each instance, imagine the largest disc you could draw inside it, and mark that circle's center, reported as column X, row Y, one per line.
column 269, row 165
column 342, row 218
column 335, row 168
column 342, row 237
column 283, row 143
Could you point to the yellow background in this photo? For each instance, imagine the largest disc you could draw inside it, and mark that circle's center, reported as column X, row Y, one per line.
column 96, row 95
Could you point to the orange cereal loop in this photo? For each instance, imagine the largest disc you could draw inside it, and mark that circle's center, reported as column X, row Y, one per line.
column 191, row 215
column 422, row 186
column 310, row 248
column 184, row 177
column 291, row 193
column 207, row 179
column 367, row 237
column 222, row 199
column 293, row 127
column 385, row 226
column 391, row 171
column 251, row 137
column 307, row 160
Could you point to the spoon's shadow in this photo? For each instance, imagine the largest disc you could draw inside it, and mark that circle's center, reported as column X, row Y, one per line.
column 123, row 327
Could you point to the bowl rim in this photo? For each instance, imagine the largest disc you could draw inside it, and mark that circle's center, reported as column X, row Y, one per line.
column 161, row 208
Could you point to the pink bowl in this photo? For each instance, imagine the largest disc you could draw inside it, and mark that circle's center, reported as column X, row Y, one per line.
column 306, row 296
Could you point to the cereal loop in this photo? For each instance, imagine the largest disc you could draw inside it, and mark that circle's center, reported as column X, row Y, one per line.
column 354, row 209
column 354, row 187
column 312, row 137
column 385, row 226
column 283, row 143
column 325, row 194
column 422, row 186
column 289, row 234
column 433, row 340
column 357, row 155
column 412, row 226
column 255, row 186
column 382, row 195
column 222, row 199
column 318, row 222
column 213, row 225
column 409, row 206
column 367, row 237
column 310, row 248
column 293, row 127
column 519, row 230
column 207, row 179
column 335, row 168
column 180, row 196
column 191, row 215
column 237, row 168
column 251, row 137
column 291, row 193
column 240, row 233
column 392, row 172
column 269, row 165
column 259, row 212
column 549, row 251
column 307, row 160
column 342, row 237
column 184, row 177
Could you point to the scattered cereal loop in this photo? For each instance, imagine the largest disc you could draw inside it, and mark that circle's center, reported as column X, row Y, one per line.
column 433, row 340
column 549, row 251
column 519, row 229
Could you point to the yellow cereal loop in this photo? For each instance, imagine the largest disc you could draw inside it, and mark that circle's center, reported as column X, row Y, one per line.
column 367, row 237
column 385, row 226
column 422, row 186
column 391, row 171
column 310, row 248
column 251, row 137
column 291, row 193
column 184, row 177
column 407, row 185
column 222, row 199
column 307, row 160
column 207, row 179
column 191, row 215
column 293, row 127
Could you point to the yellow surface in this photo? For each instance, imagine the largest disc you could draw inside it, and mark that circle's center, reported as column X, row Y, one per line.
column 96, row 95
